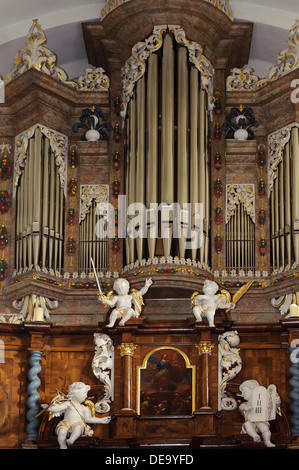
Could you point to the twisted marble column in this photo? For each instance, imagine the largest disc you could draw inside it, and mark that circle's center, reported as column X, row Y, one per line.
column 34, row 383
column 294, row 394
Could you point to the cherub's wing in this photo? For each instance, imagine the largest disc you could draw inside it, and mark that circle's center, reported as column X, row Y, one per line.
column 223, row 299
column 90, row 404
column 108, row 296
column 193, row 296
column 137, row 301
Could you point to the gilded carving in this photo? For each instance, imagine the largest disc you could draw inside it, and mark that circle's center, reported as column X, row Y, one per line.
column 229, row 365
column 276, row 143
column 93, row 79
column 127, row 349
column 89, row 192
column 205, row 347
column 58, row 145
column 237, row 193
column 103, row 369
column 135, row 66
column 35, row 55
column 244, row 79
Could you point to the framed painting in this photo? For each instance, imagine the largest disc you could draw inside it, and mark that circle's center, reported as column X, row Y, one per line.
column 166, row 384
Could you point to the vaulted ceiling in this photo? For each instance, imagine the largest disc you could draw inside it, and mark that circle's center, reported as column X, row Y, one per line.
column 61, row 20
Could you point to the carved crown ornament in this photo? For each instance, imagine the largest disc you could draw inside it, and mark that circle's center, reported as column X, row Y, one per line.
column 35, row 55
column 244, row 79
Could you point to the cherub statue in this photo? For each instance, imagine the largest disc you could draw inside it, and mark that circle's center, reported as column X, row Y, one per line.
column 123, row 301
column 207, row 304
column 260, row 407
column 76, row 415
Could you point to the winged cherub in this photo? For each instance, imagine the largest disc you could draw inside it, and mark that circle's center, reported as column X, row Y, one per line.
column 207, row 303
column 124, row 301
column 78, row 413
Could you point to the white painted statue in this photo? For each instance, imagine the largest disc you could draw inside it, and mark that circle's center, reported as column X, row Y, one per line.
column 260, row 407
column 77, row 416
column 126, row 305
column 207, row 304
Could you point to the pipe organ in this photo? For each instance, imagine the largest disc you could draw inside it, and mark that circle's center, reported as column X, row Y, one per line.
column 167, row 161
column 39, row 209
column 240, row 227
column 240, row 241
column 93, row 242
column 284, row 201
column 94, row 228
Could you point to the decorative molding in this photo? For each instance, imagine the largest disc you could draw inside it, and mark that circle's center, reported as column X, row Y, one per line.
column 222, row 5
column 276, row 143
column 243, row 79
column 103, row 369
column 135, row 66
column 284, row 301
column 11, row 318
column 27, row 304
column 93, row 79
column 229, row 365
column 58, row 145
column 35, row 55
column 236, row 193
column 89, row 192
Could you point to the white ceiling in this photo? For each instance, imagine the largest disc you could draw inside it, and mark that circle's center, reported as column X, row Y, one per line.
column 61, row 21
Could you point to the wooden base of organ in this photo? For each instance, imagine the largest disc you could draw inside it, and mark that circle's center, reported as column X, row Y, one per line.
column 67, row 355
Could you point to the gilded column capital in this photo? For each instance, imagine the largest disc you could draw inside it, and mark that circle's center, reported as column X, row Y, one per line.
column 205, row 347
column 127, row 349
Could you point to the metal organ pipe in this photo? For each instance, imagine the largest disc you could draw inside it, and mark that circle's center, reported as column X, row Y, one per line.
column 40, row 209
column 194, row 100
column 182, row 144
column 152, row 150
column 167, row 158
column 167, row 139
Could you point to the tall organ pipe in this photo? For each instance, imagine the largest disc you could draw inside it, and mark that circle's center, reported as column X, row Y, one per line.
column 167, row 139
column 295, row 190
column 152, row 151
column 167, row 156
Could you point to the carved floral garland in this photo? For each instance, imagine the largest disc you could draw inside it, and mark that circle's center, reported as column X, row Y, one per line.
column 72, row 191
column 262, row 213
column 218, row 187
column 5, row 174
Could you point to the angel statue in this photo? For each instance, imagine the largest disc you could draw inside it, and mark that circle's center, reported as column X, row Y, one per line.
column 207, row 304
column 126, row 305
column 78, row 413
column 260, row 406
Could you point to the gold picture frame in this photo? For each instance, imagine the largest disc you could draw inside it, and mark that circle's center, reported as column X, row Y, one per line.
column 187, row 373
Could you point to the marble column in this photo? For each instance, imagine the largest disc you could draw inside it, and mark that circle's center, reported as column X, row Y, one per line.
column 204, row 348
column 127, row 352
column 33, row 385
column 294, row 394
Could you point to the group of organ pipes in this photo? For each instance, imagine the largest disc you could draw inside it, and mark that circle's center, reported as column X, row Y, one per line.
column 167, row 158
column 40, row 209
column 167, row 161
